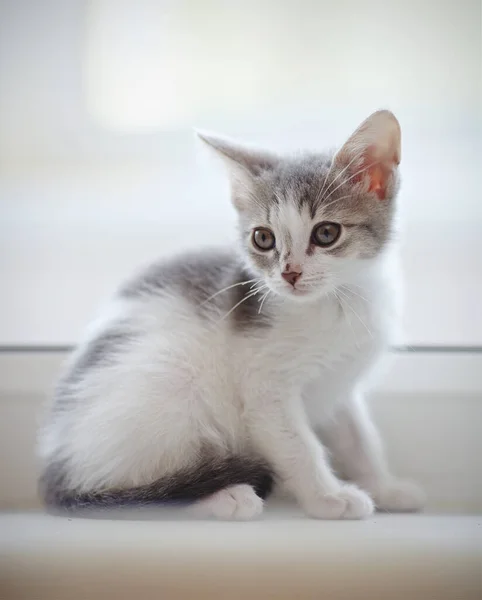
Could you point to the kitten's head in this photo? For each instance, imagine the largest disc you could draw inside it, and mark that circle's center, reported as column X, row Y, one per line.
column 310, row 223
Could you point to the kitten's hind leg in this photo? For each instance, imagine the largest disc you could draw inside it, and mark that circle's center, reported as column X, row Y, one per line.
column 239, row 502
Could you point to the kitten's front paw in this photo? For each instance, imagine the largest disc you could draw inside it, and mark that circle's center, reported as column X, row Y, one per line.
column 399, row 495
column 348, row 503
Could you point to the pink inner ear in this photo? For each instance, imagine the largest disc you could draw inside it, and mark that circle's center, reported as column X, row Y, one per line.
column 378, row 172
column 378, row 180
column 373, row 152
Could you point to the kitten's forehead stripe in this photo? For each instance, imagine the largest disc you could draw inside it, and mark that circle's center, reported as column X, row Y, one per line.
column 313, row 209
column 301, row 180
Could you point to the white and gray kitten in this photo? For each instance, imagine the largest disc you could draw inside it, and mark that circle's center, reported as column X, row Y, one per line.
column 207, row 379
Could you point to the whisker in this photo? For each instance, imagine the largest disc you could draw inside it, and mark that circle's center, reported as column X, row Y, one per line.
column 348, row 289
column 228, row 288
column 262, row 300
column 357, row 345
column 354, row 312
column 347, row 180
column 324, row 206
column 352, row 285
column 248, row 295
column 249, row 192
column 261, row 288
column 257, row 282
column 356, row 157
column 320, row 193
column 361, row 287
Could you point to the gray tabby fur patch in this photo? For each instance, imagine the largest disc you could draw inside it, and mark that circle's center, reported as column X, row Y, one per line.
column 199, row 278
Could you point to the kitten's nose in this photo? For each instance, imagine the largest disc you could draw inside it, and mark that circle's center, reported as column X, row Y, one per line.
column 291, row 276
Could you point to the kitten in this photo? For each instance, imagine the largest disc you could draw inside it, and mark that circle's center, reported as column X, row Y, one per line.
column 207, row 379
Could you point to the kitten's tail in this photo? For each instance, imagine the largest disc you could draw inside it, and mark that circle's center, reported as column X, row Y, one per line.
column 184, row 487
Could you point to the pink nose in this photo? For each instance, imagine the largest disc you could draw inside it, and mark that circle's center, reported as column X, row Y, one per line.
column 291, row 276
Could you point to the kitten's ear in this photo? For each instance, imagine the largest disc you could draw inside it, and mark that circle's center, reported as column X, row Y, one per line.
column 372, row 154
column 243, row 164
column 240, row 159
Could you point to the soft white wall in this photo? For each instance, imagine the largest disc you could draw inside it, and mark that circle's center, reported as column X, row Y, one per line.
column 88, row 193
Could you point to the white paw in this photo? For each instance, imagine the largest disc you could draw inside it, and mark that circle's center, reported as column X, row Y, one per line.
column 235, row 502
column 400, row 495
column 349, row 502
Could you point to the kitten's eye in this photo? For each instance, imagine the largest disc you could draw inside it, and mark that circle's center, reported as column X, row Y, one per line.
column 263, row 239
column 326, row 234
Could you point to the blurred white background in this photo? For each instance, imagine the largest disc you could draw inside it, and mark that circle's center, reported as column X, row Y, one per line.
column 100, row 172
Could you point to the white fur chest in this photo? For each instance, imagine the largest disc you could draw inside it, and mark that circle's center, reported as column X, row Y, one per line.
column 307, row 340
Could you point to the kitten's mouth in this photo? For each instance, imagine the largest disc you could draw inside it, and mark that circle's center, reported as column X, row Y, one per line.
column 298, row 292
column 304, row 291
